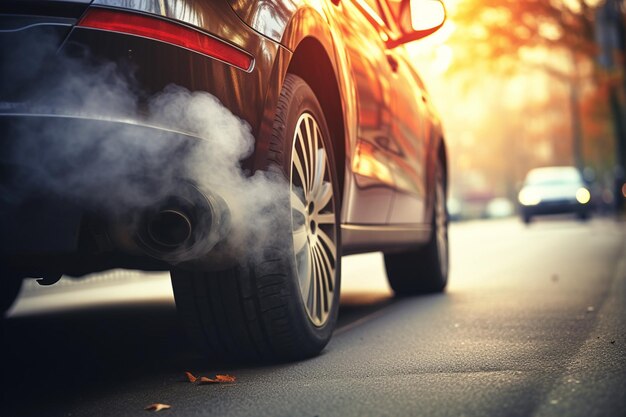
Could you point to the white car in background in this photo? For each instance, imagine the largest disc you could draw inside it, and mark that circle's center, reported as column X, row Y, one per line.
column 554, row 190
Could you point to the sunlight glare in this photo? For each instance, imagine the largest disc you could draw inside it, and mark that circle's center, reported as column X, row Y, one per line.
column 427, row 14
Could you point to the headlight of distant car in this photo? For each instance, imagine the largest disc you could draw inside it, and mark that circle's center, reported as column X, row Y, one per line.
column 528, row 198
column 582, row 195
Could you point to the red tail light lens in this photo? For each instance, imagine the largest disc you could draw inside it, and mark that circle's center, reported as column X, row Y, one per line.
column 165, row 31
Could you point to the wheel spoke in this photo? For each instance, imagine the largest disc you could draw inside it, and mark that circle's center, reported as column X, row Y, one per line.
column 328, row 267
column 297, row 204
column 305, row 170
column 300, row 170
column 320, row 294
column 311, row 153
column 322, row 279
column 299, row 218
column 326, row 218
column 318, row 178
column 299, row 239
column 324, row 196
column 326, row 240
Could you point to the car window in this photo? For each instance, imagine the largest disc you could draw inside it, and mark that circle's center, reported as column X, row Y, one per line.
column 553, row 176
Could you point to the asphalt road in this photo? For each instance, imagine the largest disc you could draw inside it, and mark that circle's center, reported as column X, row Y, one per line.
column 533, row 324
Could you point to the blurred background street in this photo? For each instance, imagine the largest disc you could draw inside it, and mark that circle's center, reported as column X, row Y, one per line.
column 525, row 84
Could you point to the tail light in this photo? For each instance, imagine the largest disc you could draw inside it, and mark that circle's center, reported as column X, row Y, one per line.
column 166, row 31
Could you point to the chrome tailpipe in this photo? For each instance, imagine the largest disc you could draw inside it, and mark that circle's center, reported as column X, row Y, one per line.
column 180, row 228
column 169, row 228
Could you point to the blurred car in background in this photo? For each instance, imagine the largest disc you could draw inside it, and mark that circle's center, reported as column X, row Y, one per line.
column 554, row 190
column 499, row 207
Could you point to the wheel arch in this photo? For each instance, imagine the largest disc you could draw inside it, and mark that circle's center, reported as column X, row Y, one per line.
column 322, row 80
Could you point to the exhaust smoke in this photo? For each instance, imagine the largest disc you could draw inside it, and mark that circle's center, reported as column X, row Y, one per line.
column 179, row 199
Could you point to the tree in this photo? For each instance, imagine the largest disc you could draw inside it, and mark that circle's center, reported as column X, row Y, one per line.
column 558, row 36
column 504, row 34
column 611, row 38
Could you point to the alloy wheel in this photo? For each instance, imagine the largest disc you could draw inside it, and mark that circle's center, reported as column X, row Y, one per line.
column 313, row 219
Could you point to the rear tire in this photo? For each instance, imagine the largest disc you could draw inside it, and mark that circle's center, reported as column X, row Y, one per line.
column 424, row 270
column 283, row 304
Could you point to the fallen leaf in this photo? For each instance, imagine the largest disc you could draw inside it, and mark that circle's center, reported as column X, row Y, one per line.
column 225, row 378
column 612, row 342
column 157, row 407
column 205, row 380
column 190, row 377
column 219, row 379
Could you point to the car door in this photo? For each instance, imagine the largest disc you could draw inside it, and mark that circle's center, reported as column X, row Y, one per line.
column 411, row 134
column 363, row 31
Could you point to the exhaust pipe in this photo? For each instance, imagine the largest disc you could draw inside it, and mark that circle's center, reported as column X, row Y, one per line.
column 169, row 228
column 183, row 227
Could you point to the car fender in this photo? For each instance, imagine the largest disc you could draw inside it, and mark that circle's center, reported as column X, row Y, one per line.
column 308, row 22
column 291, row 23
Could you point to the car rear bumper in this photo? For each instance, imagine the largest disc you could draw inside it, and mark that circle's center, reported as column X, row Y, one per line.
column 555, row 207
column 74, row 188
column 67, row 181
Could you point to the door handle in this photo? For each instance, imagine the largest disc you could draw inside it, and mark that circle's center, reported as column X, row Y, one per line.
column 393, row 62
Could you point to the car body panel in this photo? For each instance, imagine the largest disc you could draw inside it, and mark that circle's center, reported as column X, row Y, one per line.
column 369, row 198
column 269, row 18
column 217, row 19
column 388, row 160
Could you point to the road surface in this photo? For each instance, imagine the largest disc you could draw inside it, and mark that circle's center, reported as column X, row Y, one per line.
column 533, row 324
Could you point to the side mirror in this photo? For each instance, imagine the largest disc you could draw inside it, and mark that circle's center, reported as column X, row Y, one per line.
column 418, row 19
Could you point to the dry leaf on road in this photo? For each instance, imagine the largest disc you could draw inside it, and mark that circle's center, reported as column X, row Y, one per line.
column 204, row 380
column 219, row 379
column 225, row 378
column 190, row 377
column 157, row 407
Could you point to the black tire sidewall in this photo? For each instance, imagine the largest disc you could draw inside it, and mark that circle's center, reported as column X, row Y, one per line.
column 296, row 99
column 443, row 277
column 419, row 271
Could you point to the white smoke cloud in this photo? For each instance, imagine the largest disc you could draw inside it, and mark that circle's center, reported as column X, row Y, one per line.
column 106, row 162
